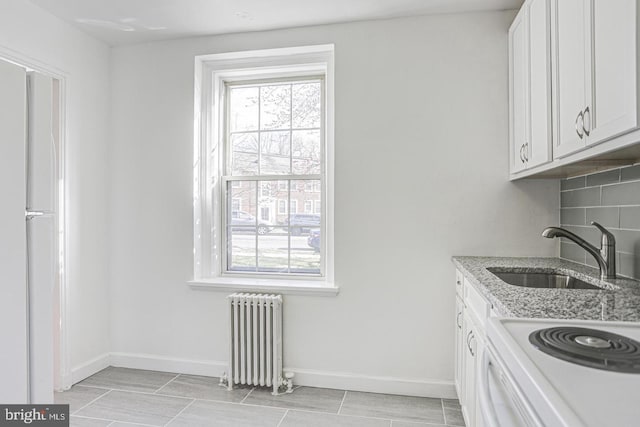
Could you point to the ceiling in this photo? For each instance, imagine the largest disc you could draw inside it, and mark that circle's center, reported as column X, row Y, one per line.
column 120, row 22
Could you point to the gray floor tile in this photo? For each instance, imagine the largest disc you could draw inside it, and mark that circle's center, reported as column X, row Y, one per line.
column 87, row 422
column 401, row 408
column 203, row 388
column 129, row 379
column 411, row 424
column 453, row 416
column 119, row 424
column 305, row 398
column 77, row 396
column 451, row 403
column 135, row 407
column 204, row 413
column 317, row 419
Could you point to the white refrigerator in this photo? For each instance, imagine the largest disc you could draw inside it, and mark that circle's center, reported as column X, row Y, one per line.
column 28, row 240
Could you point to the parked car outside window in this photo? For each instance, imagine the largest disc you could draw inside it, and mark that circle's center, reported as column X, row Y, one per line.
column 314, row 240
column 303, row 223
column 243, row 221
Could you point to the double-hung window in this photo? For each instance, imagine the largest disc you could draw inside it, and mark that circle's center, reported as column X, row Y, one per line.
column 273, row 151
column 263, row 172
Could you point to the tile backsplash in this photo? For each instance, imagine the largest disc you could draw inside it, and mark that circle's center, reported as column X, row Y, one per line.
column 611, row 198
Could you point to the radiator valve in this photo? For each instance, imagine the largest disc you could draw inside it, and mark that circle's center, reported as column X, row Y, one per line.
column 288, row 381
column 224, row 381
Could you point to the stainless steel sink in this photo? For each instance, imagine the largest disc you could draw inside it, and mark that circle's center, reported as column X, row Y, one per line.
column 541, row 280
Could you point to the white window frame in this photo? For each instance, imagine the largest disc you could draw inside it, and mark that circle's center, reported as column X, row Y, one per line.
column 308, row 206
column 212, row 72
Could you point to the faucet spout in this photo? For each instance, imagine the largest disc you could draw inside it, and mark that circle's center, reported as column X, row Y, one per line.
column 605, row 256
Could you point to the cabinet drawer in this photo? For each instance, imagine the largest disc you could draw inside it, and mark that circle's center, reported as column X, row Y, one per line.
column 459, row 282
column 476, row 303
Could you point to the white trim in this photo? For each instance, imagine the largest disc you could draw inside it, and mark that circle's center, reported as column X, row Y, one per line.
column 64, row 378
column 266, row 53
column 211, row 74
column 89, row 368
column 374, row 384
column 283, row 286
column 168, row 364
column 305, row 377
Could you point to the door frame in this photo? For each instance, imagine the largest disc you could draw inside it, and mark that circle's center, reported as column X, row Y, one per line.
column 62, row 369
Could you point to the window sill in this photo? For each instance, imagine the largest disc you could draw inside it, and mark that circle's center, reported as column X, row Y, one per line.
column 286, row 287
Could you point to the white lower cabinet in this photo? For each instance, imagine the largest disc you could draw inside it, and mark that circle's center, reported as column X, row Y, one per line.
column 459, row 369
column 468, row 398
column 470, row 344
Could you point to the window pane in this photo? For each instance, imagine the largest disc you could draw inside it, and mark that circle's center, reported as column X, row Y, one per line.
column 305, row 257
column 306, row 151
column 275, row 107
column 306, row 105
column 275, row 148
column 303, row 223
column 244, row 109
column 245, row 142
column 241, row 231
column 273, row 253
column 244, row 164
column 244, row 154
column 242, row 249
column 277, row 142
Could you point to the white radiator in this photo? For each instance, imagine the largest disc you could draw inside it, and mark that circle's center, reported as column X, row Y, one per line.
column 255, row 345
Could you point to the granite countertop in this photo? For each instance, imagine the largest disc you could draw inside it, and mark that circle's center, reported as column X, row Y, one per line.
column 619, row 300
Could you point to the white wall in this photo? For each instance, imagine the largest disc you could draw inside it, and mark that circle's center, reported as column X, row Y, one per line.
column 421, row 175
column 28, row 32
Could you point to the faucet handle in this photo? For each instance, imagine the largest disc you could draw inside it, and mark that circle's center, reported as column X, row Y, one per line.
column 607, row 237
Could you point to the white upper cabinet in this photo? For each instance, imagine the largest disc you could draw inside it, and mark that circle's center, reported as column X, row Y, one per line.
column 539, row 149
column 518, row 92
column 530, row 87
column 570, row 75
column 614, row 90
column 595, row 72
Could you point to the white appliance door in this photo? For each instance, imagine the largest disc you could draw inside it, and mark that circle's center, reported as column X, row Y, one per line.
column 41, row 238
column 501, row 402
column 13, row 287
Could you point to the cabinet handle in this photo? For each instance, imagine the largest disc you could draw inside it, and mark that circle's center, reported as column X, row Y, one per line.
column 458, row 320
column 580, row 116
column 522, row 153
column 470, row 337
column 526, row 151
column 587, row 129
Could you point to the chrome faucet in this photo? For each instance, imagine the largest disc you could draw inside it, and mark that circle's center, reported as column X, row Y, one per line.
column 605, row 256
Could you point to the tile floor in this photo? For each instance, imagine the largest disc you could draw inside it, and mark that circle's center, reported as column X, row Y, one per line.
column 120, row 397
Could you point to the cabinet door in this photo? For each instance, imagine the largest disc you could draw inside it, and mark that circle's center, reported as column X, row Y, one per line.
column 459, row 348
column 479, row 347
column 469, row 378
column 538, row 151
column 613, row 96
column 518, row 91
column 571, row 25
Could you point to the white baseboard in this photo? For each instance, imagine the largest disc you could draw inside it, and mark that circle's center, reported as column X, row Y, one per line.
column 337, row 380
column 168, row 364
column 374, row 384
column 89, row 368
